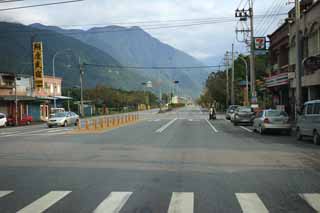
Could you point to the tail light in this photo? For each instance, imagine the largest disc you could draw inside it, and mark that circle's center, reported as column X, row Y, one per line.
column 266, row 121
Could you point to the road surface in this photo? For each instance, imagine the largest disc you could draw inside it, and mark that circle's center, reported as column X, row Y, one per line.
column 176, row 162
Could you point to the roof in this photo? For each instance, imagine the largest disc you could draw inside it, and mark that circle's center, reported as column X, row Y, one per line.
column 312, row 102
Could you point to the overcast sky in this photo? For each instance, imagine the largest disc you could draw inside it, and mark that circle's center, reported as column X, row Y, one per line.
column 201, row 41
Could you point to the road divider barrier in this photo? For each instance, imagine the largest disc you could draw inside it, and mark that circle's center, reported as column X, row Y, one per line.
column 106, row 122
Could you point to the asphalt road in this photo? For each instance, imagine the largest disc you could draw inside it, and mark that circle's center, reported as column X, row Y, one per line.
column 175, row 162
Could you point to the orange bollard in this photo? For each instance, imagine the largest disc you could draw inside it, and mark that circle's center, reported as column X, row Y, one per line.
column 87, row 125
column 101, row 123
column 95, row 124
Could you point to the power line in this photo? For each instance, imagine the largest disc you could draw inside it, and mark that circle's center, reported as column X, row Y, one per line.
column 10, row 1
column 151, row 67
column 39, row 5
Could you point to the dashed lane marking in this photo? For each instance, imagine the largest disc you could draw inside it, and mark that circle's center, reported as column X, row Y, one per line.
column 212, row 127
column 251, row 203
column 164, row 127
column 181, row 202
column 313, row 200
column 248, row 130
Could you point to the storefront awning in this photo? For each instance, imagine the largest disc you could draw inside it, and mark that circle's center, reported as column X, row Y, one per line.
column 277, row 80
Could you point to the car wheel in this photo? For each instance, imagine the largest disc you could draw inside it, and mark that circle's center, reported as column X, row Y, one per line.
column 49, row 126
column 65, row 124
column 316, row 138
column 76, row 123
column 235, row 123
column 28, row 123
column 298, row 135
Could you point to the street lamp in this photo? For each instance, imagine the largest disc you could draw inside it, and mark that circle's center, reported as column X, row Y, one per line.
column 54, row 74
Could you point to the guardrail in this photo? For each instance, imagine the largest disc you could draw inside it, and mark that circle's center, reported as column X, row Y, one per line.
column 106, row 122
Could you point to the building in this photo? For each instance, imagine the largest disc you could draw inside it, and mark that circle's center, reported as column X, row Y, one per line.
column 30, row 101
column 310, row 30
column 277, row 83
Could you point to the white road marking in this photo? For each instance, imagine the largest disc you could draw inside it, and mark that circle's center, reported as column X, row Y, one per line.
column 4, row 193
column 212, row 127
column 24, row 133
column 113, row 203
column 161, row 129
column 44, row 202
column 313, row 199
column 9, row 133
column 181, row 202
column 249, row 130
column 251, row 203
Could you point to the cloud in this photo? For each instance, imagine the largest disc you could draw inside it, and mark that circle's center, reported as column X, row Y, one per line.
column 200, row 41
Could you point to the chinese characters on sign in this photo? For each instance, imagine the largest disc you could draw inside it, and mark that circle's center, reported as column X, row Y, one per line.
column 38, row 64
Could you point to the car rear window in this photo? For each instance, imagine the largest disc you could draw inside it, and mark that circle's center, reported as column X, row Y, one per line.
column 2, row 116
column 316, row 109
column 276, row 113
column 245, row 109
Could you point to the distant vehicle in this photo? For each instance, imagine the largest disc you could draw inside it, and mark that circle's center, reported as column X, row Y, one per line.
column 272, row 120
column 308, row 123
column 25, row 120
column 243, row 114
column 56, row 110
column 63, row 119
column 3, row 120
column 230, row 111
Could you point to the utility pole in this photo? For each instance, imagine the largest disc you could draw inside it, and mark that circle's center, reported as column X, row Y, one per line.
column 16, row 100
column 81, row 66
column 244, row 15
column 226, row 61
column 232, row 78
column 252, row 56
column 298, row 68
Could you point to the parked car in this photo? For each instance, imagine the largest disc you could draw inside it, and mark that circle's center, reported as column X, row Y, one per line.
column 56, row 110
column 63, row 119
column 25, row 120
column 272, row 120
column 3, row 120
column 230, row 111
column 308, row 123
column 243, row 114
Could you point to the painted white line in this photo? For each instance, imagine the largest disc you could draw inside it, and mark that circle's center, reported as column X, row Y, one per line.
column 212, row 127
column 248, row 130
column 113, row 203
column 161, row 129
column 4, row 193
column 9, row 133
column 313, row 199
column 181, row 202
column 251, row 203
column 23, row 133
column 44, row 202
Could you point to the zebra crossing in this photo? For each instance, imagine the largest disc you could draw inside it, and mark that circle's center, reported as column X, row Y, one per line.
column 35, row 132
column 180, row 202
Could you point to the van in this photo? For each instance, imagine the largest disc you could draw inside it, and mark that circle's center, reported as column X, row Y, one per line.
column 308, row 123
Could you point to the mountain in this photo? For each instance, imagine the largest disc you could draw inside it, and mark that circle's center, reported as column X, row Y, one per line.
column 16, row 56
column 135, row 47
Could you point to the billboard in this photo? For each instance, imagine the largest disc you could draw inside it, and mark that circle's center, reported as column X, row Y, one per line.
column 259, row 43
column 37, row 64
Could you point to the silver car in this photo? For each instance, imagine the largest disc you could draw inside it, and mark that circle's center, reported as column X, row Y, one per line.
column 230, row 111
column 308, row 123
column 243, row 114
column 63, row 119
column 272, row 120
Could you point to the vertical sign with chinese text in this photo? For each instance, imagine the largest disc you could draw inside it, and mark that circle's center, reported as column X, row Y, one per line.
column 38, row 64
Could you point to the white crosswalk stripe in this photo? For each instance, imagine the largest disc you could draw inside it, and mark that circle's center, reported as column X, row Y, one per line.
column 251, row 203
column 4, row 193
column 44, row 202
column 113, row 203
column 313, row 200
column 181, row 202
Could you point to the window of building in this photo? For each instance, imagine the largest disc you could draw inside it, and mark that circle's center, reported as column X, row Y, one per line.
column 314, row 40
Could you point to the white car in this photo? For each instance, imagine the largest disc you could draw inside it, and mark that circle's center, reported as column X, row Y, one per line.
column 3, row 120
column 63, row 119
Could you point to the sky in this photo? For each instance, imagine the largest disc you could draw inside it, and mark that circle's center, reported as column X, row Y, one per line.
column 205, row 41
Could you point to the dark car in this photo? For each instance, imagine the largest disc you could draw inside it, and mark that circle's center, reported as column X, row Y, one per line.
column 243, row 115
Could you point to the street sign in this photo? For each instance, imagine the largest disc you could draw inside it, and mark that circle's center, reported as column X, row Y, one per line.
column 254, row 100
column 312, row 63
column 38, row 64
column 259, row 43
